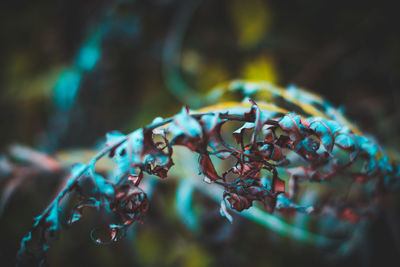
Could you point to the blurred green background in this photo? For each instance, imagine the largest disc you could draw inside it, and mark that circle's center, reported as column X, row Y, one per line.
column 71, row 70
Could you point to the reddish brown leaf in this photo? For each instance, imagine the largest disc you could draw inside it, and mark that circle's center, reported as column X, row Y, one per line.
column 278, row 185
column 207, row 168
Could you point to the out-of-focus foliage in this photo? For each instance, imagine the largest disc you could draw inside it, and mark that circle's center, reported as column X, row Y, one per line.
column 251, row 20
column 263, row 68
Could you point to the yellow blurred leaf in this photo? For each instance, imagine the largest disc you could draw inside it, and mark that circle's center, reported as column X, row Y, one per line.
column 29, row 88
column 261, row 69
column 251, row 20
column 212, row 73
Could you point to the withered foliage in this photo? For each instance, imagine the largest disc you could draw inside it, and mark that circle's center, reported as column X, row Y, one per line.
column 311, row 149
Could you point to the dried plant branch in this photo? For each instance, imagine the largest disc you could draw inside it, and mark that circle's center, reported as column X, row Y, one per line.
column 325, row 147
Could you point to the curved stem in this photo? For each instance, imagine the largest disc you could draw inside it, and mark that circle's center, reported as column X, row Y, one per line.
column 171, row 55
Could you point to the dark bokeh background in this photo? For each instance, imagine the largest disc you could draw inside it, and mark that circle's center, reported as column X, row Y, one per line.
column 348, row 52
